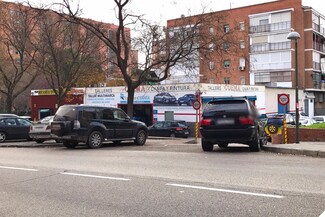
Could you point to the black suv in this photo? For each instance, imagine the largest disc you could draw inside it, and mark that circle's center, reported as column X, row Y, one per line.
column 232, row 120
column 94, row 124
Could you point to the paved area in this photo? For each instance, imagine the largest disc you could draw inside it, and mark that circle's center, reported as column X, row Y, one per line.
column 313, row 149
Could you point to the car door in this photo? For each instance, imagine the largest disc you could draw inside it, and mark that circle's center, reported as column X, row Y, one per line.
column 109, row 123
column 125, row 127
column 12, row 129
column 23, row 127
column 156, row 129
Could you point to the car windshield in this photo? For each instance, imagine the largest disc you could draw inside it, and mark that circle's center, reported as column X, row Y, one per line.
column 226, row 106
column 65, row 113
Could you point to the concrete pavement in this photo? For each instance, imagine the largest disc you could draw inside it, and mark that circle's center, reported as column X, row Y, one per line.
column 313, row 149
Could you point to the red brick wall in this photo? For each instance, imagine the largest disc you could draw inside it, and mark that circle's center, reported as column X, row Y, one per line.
column 306, row 135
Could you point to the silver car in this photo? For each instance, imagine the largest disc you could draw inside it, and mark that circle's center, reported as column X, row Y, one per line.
column 41, row 130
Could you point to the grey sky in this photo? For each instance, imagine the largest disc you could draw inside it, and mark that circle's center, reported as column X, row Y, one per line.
column 162, row 10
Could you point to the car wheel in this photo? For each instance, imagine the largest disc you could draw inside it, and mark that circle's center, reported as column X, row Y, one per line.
column 263, row 139
column 3, row 137
column 69, row 144
column 255, row 143
column 172, row 135
column 141, row 137
column 95, row 140
column 39, row 140
column 206, row 146
column 223, row 145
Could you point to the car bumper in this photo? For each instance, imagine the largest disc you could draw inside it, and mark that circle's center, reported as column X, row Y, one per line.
column 40, row 136
column 74, row 137
column 229, row 135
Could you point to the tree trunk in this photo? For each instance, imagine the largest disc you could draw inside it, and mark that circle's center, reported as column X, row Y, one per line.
column 130, row 102
column 9, row 102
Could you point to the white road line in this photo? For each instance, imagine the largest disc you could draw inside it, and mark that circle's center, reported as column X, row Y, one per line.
column 93, row 176
column 17, row 168
column 228, row 191
column 322, row 215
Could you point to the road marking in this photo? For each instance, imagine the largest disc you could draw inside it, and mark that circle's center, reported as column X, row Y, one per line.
column 18, row 168
column 322, row 215
column 93, row 176
column 228, row 191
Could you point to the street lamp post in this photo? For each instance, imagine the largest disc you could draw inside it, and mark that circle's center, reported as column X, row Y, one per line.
column 295, row 36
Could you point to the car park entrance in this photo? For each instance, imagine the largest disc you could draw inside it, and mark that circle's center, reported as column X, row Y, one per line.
column 141, row 112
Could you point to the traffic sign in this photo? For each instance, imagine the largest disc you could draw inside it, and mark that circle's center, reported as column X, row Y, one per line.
column 196, row 105
column 283, row 99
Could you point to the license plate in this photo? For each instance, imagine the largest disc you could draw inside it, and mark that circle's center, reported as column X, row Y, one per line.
column 226, row 121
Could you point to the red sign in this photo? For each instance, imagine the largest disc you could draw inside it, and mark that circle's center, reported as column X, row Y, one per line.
column 283, row 99
column 196, row 105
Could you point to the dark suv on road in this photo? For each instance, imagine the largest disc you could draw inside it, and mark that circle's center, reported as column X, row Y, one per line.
column 232, row 120
column 94, row 124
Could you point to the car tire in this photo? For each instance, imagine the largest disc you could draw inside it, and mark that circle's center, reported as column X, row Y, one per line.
column 95, row 140
column 206, row 146
column 254, row 145
column 140, row 138
column 3, row 136
column 39, row 140
column 223, row 145
column 263, row 139
column 70, row 144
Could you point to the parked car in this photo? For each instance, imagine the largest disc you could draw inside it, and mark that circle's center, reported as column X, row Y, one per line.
column 233, row 120
column 272, row 125
column 8, row 115
column 306, row 121
column 165, row 98
column 290, row 119
column 170, row 129
column 14, row 128
column 41, row 130
column 319, row 118
column 187, row 99
column 94, row 124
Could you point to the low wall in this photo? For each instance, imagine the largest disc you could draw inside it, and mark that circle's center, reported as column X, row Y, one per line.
column 314, row 135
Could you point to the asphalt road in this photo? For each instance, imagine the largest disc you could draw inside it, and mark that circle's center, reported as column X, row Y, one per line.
column 159, row 179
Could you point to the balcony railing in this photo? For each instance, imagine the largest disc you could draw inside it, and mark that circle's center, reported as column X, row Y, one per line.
column 319, row 29
column 270, row 27
column 319, row 46
column 270, row 46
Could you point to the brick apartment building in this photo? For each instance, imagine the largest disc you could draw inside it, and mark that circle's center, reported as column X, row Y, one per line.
column 268, row 57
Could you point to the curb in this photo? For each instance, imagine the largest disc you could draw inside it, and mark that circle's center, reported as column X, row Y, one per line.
column 310, row 153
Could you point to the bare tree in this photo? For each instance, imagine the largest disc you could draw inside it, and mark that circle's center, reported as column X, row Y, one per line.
column 68, row 53
column 17, row 71
column 180, row 45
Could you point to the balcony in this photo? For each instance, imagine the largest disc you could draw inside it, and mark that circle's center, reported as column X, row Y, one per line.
column 319, row 46
column 270, row 27
column 319, row 29
column 270, row 46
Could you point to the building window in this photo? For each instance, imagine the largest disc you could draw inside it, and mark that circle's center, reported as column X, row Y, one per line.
column 226, row 28
column 242, row 64
column 211, row 81
column 226, row 80
column 211, row 65
column 226, row 63
column 211, row 30
column 242, row 44
column 242, row 80
column 264, row 22
column 226, row 46
column 241, row 26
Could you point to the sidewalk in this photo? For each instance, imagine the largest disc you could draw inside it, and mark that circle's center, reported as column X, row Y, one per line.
column 313, row 149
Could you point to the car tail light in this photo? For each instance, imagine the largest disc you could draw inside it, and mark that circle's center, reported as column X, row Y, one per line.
column 179, row 128
column 76, row 124
column 246, row 120
column 206, row 122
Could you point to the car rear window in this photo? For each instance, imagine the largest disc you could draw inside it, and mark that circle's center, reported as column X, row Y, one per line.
column 226, row 106
column 67, row 113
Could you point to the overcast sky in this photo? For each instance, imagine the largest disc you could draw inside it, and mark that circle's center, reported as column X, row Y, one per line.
column 162, row 10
